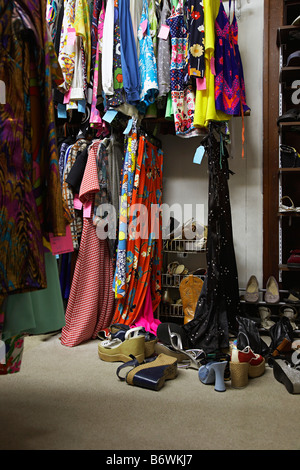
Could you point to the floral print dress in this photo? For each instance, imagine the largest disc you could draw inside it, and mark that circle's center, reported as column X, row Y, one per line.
column 183, row 96
column 195, row 24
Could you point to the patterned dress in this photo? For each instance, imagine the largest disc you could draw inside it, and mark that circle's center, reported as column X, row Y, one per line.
column 230, row 95
column 147, row 63
column 144, row 241
column 195, row 26
column 30, row 192
column 91, row 303
column 183, row 97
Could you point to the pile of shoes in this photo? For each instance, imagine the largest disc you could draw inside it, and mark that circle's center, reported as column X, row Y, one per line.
column 149, row 360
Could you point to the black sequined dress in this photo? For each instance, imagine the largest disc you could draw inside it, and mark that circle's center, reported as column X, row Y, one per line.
column 218, row 304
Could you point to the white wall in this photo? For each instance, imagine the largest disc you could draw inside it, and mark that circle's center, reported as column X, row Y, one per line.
column 186, row 182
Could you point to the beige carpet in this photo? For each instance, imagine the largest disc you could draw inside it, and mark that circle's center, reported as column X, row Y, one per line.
column 67, row 398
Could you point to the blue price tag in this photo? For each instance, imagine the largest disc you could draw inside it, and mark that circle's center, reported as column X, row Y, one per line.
column 110, row 115
column 128, row 128
column 81, row 106
column 61, row 111
column 199, row 155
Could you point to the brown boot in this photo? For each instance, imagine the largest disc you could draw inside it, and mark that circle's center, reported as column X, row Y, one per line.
column 190, row 288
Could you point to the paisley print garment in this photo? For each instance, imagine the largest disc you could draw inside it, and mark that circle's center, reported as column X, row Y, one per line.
column 22, row 266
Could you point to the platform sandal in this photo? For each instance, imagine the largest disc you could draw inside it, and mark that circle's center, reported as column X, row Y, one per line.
column 152, row 374
column 115, row 349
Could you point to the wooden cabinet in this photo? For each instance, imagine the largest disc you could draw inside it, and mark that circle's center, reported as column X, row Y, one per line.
column 288, row 42
column 281, row 94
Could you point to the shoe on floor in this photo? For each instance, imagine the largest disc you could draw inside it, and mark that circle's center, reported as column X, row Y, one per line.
column 287, row 374
column 256, row 361
column 116, row 350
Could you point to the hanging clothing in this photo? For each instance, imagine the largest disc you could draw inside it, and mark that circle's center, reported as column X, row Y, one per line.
column 230, row 94
column 68, row 195
column 218, row 303
column 147, row 63
column 67, row 45
column 30, row 193
column 153, row 24
column 95, row 118
column 164, row 54
column 107, row 49
column 22, row 265
column 205, row 108
column 118, row 98
column 87, row 314
column 119, row 285
column 83, row 30
column 195, row 29
column 143, row 259
column 129, row 59
column 38, row 312
column 183, row 96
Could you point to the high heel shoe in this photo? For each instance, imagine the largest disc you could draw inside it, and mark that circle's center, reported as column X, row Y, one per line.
column 152, row 374
column 213, row 373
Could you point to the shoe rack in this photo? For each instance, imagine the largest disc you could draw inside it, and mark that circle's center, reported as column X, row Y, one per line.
column 281, row 94
column 288, row 42
column 180, row 258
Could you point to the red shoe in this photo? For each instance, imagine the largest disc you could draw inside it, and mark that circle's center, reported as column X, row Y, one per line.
column 256, row 361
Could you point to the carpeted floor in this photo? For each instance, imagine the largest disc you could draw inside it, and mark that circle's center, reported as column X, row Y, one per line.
column 68, row 399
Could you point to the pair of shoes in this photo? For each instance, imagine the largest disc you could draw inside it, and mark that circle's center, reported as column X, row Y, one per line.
column 272, row 290
column 152, row 374
column 213, row 373
column 294, row 259
column 125, row 342
column 245, row 364
column 190, row 289
column 176, row 268
column 287, row 374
